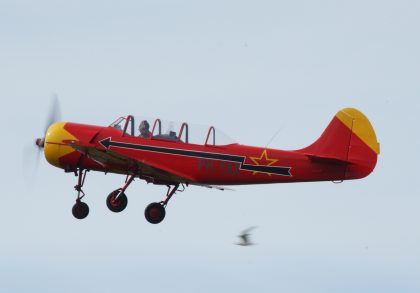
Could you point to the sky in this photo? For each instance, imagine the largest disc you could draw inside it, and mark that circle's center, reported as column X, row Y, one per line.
column 251, row 68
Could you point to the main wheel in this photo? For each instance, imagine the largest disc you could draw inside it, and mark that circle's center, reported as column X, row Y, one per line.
column 155, row 213
column 80, row 210
column 116, row 204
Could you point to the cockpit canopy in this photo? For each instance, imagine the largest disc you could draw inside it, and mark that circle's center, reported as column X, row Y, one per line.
column 171, row 131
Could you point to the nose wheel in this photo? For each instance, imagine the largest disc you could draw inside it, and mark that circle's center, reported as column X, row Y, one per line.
column 80, row 210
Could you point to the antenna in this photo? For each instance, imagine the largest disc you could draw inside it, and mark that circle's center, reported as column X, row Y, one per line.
column 273, row 137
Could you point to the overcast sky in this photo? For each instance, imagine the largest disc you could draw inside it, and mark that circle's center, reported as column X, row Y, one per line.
column 251, row 68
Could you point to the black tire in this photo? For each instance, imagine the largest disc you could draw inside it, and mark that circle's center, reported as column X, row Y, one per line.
column 155, row 213
column 116, row 205
column 80, row 210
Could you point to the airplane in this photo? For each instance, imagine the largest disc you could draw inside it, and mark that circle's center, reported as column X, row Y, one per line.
column 347, row 149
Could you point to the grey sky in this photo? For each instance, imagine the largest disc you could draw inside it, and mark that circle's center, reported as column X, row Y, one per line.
column 250, row 68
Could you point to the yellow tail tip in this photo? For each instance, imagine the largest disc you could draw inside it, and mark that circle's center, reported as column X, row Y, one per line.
column 360, row 125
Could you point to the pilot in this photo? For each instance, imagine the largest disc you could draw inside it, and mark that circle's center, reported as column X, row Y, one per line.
column 144, row 129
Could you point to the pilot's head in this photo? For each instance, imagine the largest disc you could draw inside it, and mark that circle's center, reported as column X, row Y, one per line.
column 144, row 128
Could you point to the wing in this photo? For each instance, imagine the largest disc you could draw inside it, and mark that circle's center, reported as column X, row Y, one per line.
column 222, row 188
column 149, row 171
column 246, row 231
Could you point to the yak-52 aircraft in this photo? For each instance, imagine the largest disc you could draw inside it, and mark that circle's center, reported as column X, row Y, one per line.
column 347, row 149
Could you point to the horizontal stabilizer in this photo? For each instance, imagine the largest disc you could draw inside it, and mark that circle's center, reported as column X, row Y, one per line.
column 327, row 159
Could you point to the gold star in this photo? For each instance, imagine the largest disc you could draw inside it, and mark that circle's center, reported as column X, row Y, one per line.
column 263, row 160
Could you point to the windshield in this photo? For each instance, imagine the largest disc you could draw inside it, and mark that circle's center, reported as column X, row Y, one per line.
column 118, row 124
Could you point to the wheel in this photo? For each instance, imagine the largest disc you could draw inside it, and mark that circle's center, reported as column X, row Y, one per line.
column 116, row 205
column 80, row 210
column 155, row 213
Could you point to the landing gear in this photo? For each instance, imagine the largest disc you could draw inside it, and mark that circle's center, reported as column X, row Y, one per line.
column 117, row 200
column 155, row 212
column 80, row 209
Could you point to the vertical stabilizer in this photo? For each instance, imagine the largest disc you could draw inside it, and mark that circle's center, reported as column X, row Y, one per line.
column 350, row 140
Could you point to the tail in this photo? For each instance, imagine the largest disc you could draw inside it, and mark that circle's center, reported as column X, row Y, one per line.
column 350, row 141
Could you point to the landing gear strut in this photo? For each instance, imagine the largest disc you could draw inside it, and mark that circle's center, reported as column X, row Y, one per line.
column 80, row 209
column 155, row 212
column 117, row 200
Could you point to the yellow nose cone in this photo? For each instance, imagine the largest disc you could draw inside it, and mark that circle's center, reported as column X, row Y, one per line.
column 54, row 148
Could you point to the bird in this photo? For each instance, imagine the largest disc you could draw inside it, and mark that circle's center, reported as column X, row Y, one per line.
column 244, row 236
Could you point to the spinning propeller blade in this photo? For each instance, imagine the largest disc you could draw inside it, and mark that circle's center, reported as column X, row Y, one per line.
column 54, row 114
column 30, row 154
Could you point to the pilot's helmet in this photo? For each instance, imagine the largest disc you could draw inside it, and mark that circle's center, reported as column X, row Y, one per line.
column 144, row 125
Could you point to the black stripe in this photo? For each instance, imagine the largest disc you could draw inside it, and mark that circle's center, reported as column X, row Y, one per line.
column 202, row 155
column 285, row 171
column 278, row 170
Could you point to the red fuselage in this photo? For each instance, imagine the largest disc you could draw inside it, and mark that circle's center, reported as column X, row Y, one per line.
column 166, row 161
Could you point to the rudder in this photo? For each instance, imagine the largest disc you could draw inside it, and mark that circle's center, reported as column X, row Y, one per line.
column 349, row 139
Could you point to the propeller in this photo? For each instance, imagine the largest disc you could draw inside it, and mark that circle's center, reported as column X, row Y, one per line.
column 31, row 155
column 54, row 115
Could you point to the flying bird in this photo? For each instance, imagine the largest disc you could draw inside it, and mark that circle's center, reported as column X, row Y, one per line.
column 244, row 236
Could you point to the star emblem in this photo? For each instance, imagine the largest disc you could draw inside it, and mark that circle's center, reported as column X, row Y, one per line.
column 263, row 160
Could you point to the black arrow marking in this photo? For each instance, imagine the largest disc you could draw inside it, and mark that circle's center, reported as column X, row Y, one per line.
column 107, row 143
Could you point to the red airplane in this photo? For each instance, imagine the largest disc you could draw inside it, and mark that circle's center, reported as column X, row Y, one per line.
column 347, row 149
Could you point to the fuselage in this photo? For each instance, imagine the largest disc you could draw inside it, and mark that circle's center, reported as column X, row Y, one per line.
column 106, row 149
